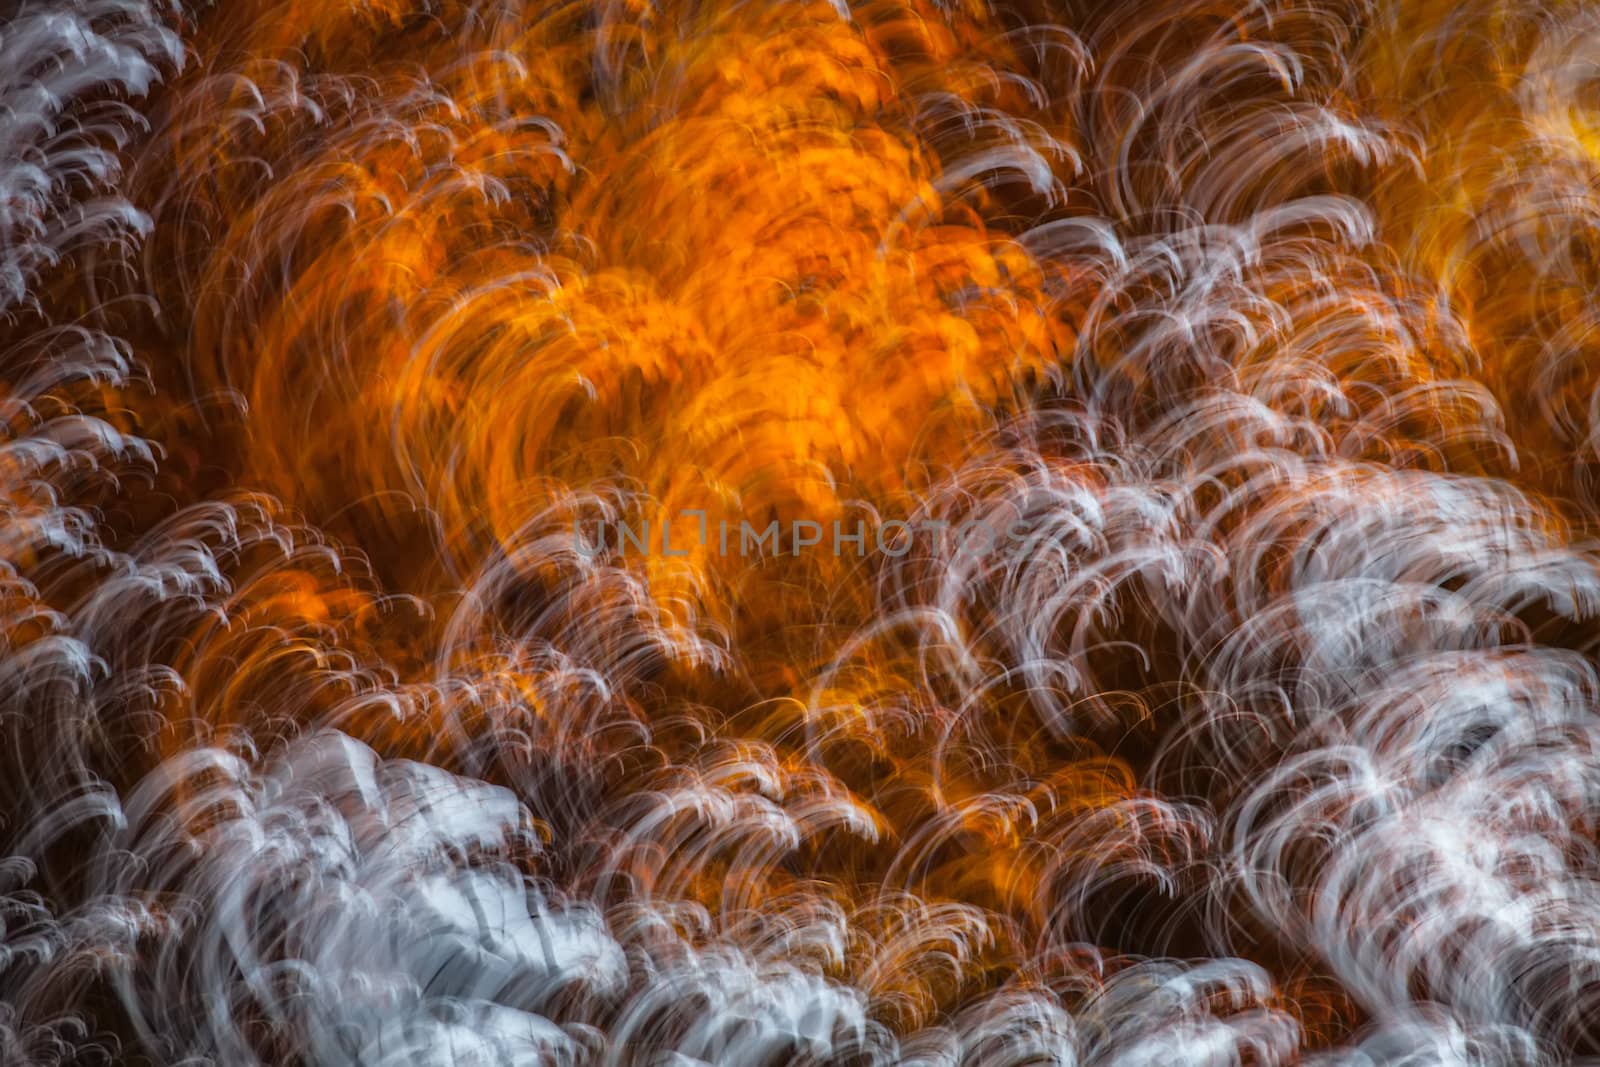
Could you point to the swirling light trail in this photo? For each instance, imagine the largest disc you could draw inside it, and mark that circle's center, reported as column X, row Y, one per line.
column 1267, row 333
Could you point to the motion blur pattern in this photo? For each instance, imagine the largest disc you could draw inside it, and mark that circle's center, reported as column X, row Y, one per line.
column 326, row 324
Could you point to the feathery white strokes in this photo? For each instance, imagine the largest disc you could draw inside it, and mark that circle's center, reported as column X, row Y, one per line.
column 1382, row 763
